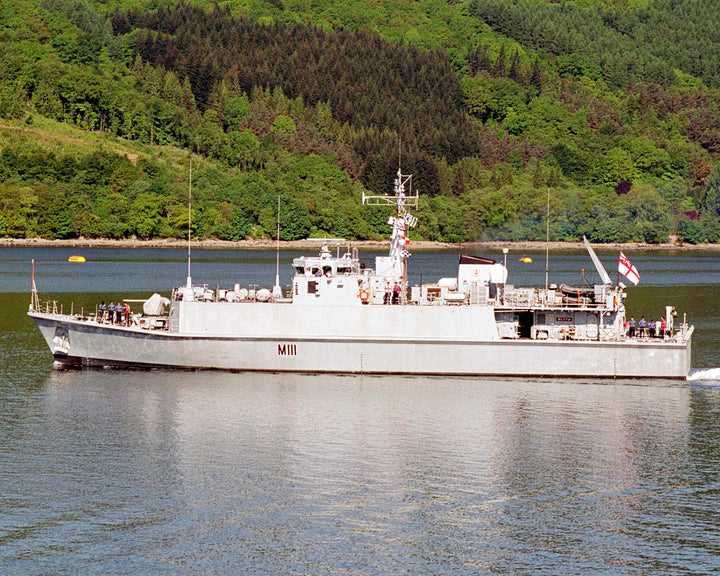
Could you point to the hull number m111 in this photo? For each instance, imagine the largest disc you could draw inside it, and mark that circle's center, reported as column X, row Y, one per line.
column 287, row 349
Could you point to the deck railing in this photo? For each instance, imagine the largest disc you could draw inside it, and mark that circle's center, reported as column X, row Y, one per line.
column 541, row 298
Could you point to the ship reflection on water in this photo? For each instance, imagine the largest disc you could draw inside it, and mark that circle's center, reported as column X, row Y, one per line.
column 306, row 473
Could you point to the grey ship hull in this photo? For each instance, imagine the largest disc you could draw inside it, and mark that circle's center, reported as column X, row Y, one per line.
column 87, row 343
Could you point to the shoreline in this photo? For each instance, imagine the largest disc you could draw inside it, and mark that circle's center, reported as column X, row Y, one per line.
column 314, row 244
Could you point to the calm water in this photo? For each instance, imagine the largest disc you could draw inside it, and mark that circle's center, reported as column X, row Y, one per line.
column 121, row 472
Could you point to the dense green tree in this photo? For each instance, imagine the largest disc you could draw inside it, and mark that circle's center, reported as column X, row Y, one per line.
column 712, row 194
column 689, row 231
column 488, row 103
column 146, row 215
column 294, row 218
column 18, row 206
column 236, row 111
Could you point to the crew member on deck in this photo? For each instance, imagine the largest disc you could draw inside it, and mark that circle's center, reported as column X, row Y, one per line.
column 631, row 327
column 396, row 294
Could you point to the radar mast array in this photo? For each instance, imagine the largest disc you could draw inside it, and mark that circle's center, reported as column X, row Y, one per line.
column 399, row 199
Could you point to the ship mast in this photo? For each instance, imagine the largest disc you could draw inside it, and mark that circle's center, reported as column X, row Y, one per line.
column 402, row 198
column 404, row 252
column 189, row 278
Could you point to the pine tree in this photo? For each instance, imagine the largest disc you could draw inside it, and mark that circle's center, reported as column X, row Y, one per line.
column 458, row 187
column 483, row 58
column 514, row 71
column 472, row 60
column 536, row 75
column 500, row 62
column 538, row 178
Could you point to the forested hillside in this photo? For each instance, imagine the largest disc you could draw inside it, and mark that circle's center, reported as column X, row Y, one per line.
column 612, row 106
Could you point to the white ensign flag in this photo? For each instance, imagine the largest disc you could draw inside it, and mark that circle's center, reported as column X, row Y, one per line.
column 626, row 268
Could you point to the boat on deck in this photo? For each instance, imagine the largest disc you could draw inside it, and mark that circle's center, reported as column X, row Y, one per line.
column 341, row 316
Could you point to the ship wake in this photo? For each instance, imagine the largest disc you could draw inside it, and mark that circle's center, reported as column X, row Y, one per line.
column 707, row 375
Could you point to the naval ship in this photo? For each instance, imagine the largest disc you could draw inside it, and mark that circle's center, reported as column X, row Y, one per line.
column 343, row 317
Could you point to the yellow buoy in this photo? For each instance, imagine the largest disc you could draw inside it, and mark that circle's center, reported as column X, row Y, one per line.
column 76, row 259
column 526, row 259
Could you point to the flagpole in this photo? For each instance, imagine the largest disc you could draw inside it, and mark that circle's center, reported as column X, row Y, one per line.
column 33, row 289
column 547, row 241
column 277, row 291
